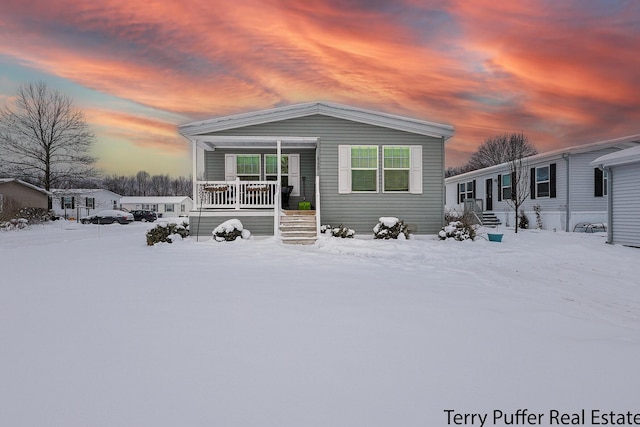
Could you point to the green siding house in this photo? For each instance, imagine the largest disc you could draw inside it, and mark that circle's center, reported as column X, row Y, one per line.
column 338, row 165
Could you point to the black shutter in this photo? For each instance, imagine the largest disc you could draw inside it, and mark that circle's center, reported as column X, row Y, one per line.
column 552, row 180
column 458, row 187
column 62, row 202
column 513, row 185
column 532, row 189
column 73, row 203
column 474, row 189
column 499, row 188
column 598, row 182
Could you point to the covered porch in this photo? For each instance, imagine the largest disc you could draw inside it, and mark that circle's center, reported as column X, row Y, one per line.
column 254, row 177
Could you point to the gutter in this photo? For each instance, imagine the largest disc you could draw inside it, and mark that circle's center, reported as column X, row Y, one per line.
column 567, row 159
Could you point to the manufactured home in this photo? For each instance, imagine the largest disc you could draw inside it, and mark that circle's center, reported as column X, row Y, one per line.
column 564, row 184
column 166, row 206
column 623, row 195
column 79, row 202
column 16, row 194
column 324, row 162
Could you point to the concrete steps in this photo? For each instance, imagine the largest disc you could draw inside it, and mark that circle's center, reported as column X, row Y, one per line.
column 298, row 227
column 490, row 220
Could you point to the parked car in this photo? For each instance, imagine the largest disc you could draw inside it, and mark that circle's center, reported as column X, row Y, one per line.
column 144, row 215
column 108, row 217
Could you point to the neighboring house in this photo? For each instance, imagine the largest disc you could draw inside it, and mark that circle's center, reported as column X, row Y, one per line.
column 564, row 183
column 347, row 165
column 623, row 171
column 168, row 206
column 16, row 194
column 79, row 202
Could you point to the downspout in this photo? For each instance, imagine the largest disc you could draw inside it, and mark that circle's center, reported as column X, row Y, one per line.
column 567, row 221
column 609, row 173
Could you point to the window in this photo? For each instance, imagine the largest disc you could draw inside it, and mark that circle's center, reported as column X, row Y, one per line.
column 183, row 207
column 168, row 207
column 271, row 168
column 358, row 167
column 68, row 202
column 90, row 203
column 600, row 184
column 1, row 201
column 364, row 168
column 465, row 191
column 248, row 167
column 397, row 163
column 505, row 187
column 542, row 181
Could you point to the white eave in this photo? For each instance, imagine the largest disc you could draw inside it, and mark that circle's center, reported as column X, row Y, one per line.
column 421, row 127
column 629, row 155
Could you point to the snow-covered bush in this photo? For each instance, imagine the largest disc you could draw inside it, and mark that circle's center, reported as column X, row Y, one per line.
column 230, row 230
column 14, row 224
column 538, row 210
column 391, row 228
column 340, row 231
column 167, row 233
column 523, row 221
column 457, row 230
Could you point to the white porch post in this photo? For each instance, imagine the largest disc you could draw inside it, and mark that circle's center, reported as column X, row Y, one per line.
column 276, row 208
column 194, row 178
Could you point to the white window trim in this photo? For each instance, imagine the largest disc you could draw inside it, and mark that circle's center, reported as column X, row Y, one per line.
column 377, row 169
column 408, row 169
column 502, row 187
column 548, row 181
column 344, row 170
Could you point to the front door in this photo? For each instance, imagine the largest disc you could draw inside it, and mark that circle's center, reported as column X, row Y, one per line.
column 489, row 194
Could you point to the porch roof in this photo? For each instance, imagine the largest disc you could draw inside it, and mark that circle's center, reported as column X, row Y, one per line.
column 211, row 142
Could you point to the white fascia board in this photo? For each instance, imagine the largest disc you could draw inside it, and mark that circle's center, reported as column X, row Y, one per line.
column 629, row 155
column 329, row 109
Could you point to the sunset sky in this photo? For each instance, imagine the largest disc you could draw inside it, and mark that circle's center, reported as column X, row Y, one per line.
column 563, row 72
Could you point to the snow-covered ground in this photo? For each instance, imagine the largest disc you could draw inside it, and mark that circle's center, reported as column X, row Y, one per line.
column 98, row 329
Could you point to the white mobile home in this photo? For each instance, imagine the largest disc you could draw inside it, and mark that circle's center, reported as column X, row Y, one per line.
column 563, row 183
column 167, row 206
column 79, row 202
column 623, row 171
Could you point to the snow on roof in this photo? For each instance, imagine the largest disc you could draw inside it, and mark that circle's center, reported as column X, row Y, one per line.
column 629, row 155
column 153, row 199
column 19, row 181
column 67, row 191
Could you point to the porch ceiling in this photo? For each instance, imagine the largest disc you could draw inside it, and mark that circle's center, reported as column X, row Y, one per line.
column 211, row 142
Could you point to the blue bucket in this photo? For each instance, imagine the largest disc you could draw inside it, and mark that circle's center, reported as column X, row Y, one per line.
column 494, row 237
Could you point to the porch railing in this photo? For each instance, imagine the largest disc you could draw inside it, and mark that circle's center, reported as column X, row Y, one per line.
column 237, row 194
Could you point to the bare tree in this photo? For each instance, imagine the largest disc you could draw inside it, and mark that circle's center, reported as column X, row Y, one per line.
column 160, row 185
column 44, row 139
column 142, row 181
column 517, row 149
column 500, row 149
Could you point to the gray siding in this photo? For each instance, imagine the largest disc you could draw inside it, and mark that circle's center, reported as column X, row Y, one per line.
column 204, row 225
column 625, row 215
column 360, row 212
column 582, row 182
column 214, row 167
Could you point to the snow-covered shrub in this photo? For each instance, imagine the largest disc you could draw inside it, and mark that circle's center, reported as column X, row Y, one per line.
column 343, row 232
column 324, row 228
column 389, row 227
column 14, row 224
column 230, row 230
column 523, row 221
column 457, row 230
column 538, row 210
column 167, row 233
